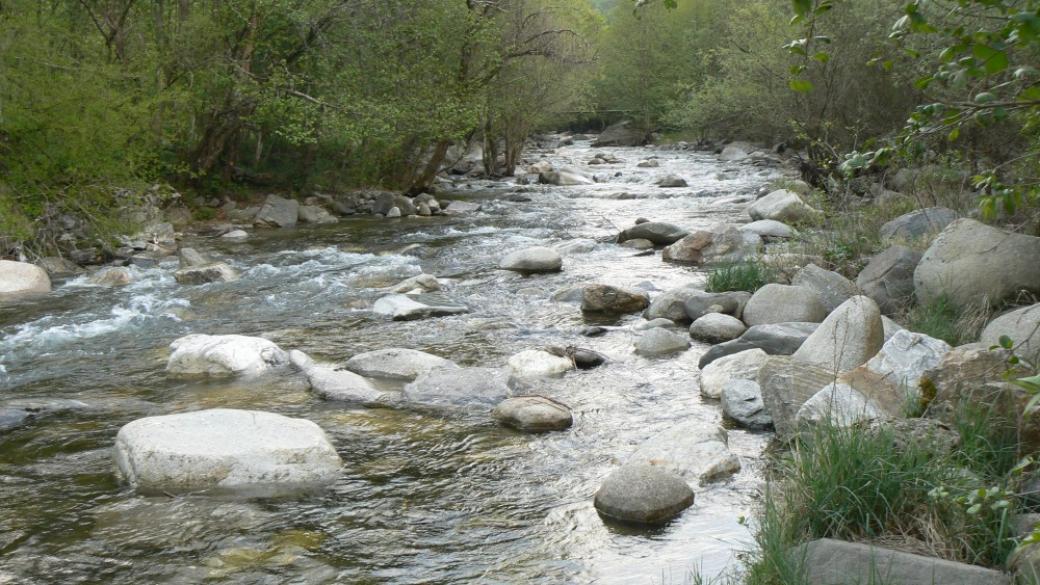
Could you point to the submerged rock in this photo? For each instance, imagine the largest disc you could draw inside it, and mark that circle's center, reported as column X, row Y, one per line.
column 643, row 494
column 739, row 366
column 889, row 278
column 659, row 341
column 774, row 339
column 277, row 212
column 480, row 388
column 694, row 451
column 660, row 233
column 332, row 384
column 533, row 414
column 224, row 448
column 411, row 307
column 832, row 288
column 112, row 277
column 396, row 363
column 892, row 377
column 602, row 298
column 224, row 355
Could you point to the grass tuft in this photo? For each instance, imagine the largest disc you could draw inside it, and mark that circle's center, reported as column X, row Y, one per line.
column 747, row 276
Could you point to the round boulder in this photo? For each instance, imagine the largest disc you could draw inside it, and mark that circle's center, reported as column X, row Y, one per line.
column 847, row 338
column 224, row 355
column 742, row 402
column 659, row 341
column 602, row 298
column 396, row 363
column 643, row 494
column 533, row 414
column 780, row 303
column 223, row 448
column 533, row 260
column 717, row 328
column 889, row 278
column 784, row 206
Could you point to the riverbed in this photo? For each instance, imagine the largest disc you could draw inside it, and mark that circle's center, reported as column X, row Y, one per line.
column 424, row 497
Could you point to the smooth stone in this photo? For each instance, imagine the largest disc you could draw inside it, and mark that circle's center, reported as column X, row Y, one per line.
column 888, row 278
column 833, row 288
column 422, row 283
column 189, row 257
column 658, row 341
column 671, row 181
column 602, row 298
column 624, row 133
column 700, row 304
column 393, row 212
column 917, row 224
column 638, row 244
column 892, row 377
column 533, row 261
column 671, row 304
column 111, row 277
column 780, row 303
column 235, row 235
column 565, row 177
column 786, row 384
column 1022, row 326
column 224, row 355
column 316, row 215
column 742, row 402
column 774, row 339
column 218, row 272
column 642, row 494
column 586, row 359
column 653, row 324
column 837, row 405
column 660, row 233
column 223, row 448
column 739, row 366
column 784, row 206
column 396, row 363
column 477, row 388
column 716, row 245
column 770, row 229
column 54, row 266
column 594, row 331
column 277, row 212
column 533, row 414
column 694, row 451
column 535, row 363
column 411, row 307
column 717, row 328
column 576, row 246
column 847, row 338
column 339, row 385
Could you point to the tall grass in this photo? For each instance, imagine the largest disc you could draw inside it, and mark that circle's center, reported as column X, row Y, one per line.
column 942, row 319
column 749, row 276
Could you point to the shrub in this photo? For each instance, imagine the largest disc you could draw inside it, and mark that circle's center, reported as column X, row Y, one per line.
column 743, row 276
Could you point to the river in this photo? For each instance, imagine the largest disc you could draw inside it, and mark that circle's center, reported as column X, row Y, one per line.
column 423, row 498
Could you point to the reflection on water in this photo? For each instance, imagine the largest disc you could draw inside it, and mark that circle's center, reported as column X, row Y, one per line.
column 423, row 498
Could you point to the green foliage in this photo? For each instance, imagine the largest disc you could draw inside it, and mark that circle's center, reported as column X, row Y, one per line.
column 742, row 276
column 938, row 319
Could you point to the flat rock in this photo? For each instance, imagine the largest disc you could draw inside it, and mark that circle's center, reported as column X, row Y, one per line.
column 478, row 388
column 847, row 338
column 643, row 494
column 396, row 363
column 659, row 341
column 719, row 244
column 774, row 339
column 739, row 366
column 277, row 212
column 696, row 452
column 779, row 303
column 717, row 328
column 224, row 355
column 660, row 233
column 917, row 224
column 602, row 298
column 533, row 414
column 533, row 261
column 218, row 272
column 833, row 288
column 535, row 363
column 411, row 307
column 223, row 448
column 742, row 402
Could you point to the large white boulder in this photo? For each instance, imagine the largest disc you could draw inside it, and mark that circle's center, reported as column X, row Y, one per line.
column 396, row 363
column 533, row 260
column 782, row 205
column 738, row 366
column 892, row 377
column 223, row 448
column 535, row 363
column 1022, row 326
column 341, row 385
column 22, row 278
column 837, row 405
column 781, row 303
column 694, row 451
column 224, row 355
column 847, row 338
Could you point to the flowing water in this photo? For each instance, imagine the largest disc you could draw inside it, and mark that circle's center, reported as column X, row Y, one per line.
column 423, row 498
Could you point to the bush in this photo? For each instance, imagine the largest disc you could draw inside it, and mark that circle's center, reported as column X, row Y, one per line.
column 744, row 276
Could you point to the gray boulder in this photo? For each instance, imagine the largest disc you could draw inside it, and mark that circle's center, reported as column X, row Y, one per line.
column 892, row 377
column 833, row 288
column 770, row 229
column 783, row 205
column 56, row 267
column 971, row 262
column 671, row 181
column 534, row 260
column 837, row 405
column 638, row 244
column 411, row 307
column 602, row 298
column 694, row 451
column 477, row 388
column 1022, row 326
column 462, row 207
column 739, row 366
column 189, row 257
column 703, row 303
column 786, row 384
column 396, row 363
column 224, row 355
column 624, row 133
column 277, row 212
column 533, row 414
column 112, row 277
column 774, row 339
column 847, row 338
column 218, row 272
column 780, row 303
column 576, row 246
column 671, row 304
column 223, row 448
column 316, row 215
column 659, row 341
column 719, row 244
column 917, row 224
column 642, row 494
column 832, row 562
column 235, row 235
column 565, row 177
column 422, row 283
column 658, row 232
column 339, row 385
column 742, row 402
column 535, row 363
column 889, row 278
column 717, row 328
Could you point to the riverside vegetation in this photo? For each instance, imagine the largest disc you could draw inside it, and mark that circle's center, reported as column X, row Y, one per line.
column 843, row 195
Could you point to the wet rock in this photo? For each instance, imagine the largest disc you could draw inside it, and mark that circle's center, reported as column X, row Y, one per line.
column 394, row 211
column 576, row 246
column 411, row 307
column 889, row 278
column 660, row 233
column 462, row 207
column 316, row 215
column 13, row 418
column 638, row 244
column 1022, row 326
column 586, row 359
column 224, row 448
column 533, row 363
column 658, row 341
column 892, row 377
column 742, row 402
column 277, row 212
column 54, row 266
column 671, row 181
column 833, row 288
column 783, row 205
column 111, row 277
column 774, row 339
column 705, row 303
column 847, row 338
column 717, row 328
column 405, row 205
column 786, row 384
column 837, row 405
column 478, row 388
column 235, row 235
column 733, row 152
column 779, row 303
column 245, row 215
column 565, row 177
column 396, row 363
column 770, row 229
column 694, row 451
column 917, row 224
column 533, row 414
column 971, row 262
column 422, row 283
column 648, row 164
column 340, row 385
column 719, row 244
column 671, row 304
column 653, row 323
column 643, row 494
column 224, row 355
column 569, row 294
column 533, row 261
column 625, row 133
column 739, row 366
column 218, row 272
column 594, row 331
column 189, row 257
column 602, row 298
column 828, row 561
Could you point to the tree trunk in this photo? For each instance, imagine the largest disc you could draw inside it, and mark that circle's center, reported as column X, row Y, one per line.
column 425, row 178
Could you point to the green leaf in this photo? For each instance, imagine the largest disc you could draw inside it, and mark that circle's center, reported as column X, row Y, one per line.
column 822, row 56
column 801, row 85
column 801, row 7
column 1006, row 342
column 993, row 60
column 954, row 135
column 985, row 98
